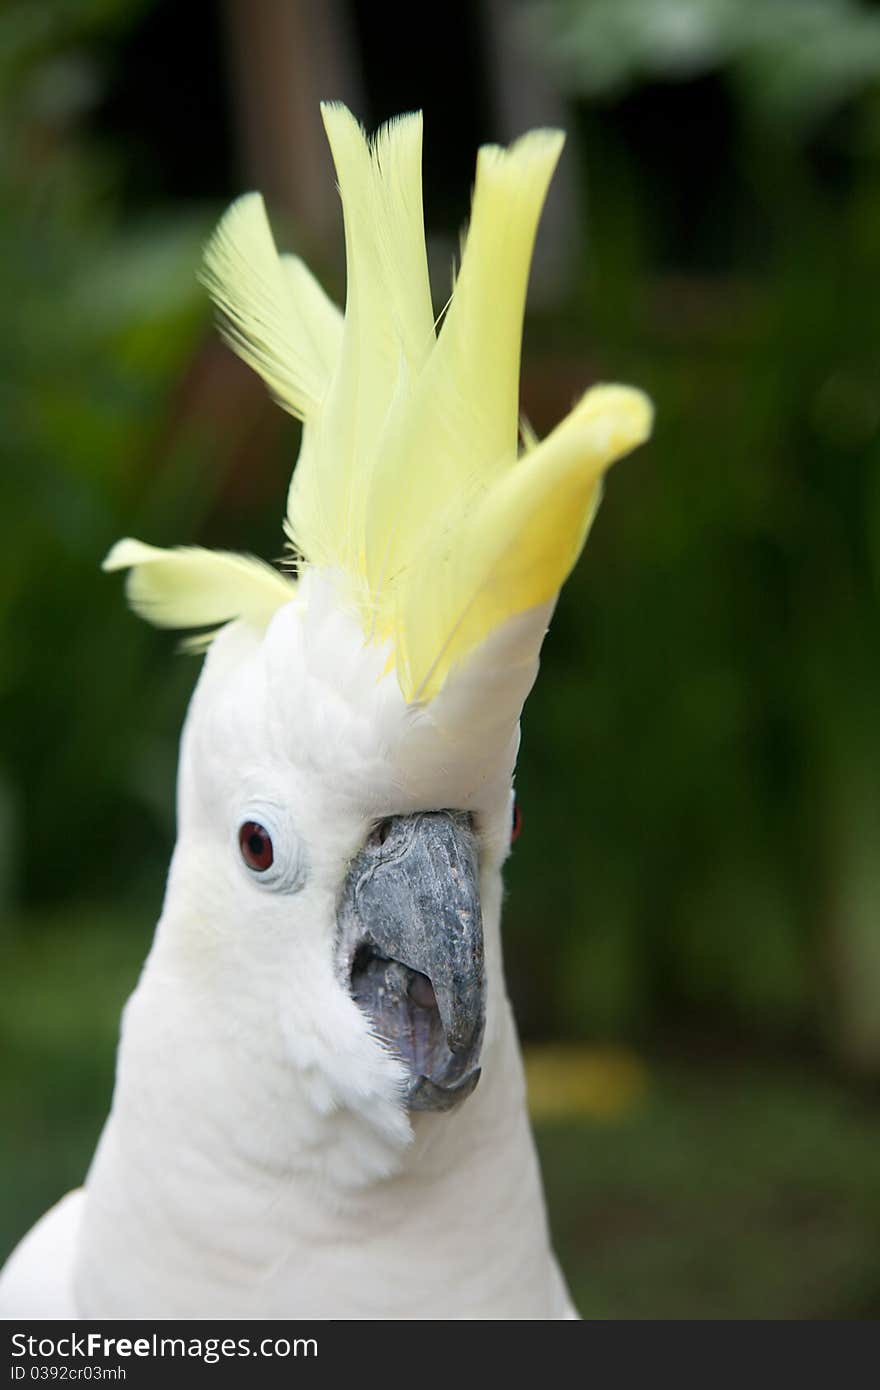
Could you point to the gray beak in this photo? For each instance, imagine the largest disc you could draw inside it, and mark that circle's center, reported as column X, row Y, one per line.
column 410, row 949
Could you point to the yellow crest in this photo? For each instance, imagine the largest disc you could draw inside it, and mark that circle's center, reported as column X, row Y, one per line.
column 410, row 484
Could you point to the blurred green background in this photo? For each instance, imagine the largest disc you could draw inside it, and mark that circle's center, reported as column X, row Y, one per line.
column 693, row 916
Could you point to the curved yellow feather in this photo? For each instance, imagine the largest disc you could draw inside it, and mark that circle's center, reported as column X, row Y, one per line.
column 516, row 545
column 388, row 337
column 458, row 424
column 191, row 587
column 409, row 481
column 273, row 312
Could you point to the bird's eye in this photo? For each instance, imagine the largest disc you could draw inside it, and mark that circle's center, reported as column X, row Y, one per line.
column 255, row 844
column 516, row 825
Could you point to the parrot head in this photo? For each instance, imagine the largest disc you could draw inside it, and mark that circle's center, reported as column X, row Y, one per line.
column 345, row 797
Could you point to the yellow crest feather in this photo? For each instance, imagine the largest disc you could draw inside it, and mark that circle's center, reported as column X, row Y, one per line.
column 409, row 482
column 191, row 587
column 273, row 312
column 516, row 545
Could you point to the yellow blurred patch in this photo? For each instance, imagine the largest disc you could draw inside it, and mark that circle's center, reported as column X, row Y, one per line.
column 568, row 1081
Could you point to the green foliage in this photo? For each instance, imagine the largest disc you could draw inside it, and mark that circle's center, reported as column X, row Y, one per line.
column 101, row 315
column 701, row 749
column 792, row 61
column 729, row 1192
column 58, row 1032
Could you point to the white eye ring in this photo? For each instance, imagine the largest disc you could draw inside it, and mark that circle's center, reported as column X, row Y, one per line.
column 286, row 866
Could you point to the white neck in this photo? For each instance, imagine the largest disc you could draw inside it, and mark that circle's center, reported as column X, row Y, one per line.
column 212, row 1193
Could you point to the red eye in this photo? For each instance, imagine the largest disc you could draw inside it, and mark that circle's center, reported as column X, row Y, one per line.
column 516, row 827
column 255, row 844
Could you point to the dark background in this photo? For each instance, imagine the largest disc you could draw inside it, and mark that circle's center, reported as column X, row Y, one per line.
column 692, row 925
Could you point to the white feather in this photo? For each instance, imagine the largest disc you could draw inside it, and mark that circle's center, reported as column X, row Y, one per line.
column 257, row 1161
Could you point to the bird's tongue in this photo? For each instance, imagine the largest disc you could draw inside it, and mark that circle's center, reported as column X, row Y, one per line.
column 402, row 1004
column 421, row 991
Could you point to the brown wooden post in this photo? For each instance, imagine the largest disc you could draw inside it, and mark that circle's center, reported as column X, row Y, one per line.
column 285, row 57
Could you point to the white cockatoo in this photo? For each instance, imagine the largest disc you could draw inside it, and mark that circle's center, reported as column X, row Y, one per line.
column 319, row 1108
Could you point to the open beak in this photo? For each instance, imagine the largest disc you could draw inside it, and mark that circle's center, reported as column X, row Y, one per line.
column 410, row 949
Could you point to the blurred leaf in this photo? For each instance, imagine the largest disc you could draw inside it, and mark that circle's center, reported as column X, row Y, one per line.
column 793, row 60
